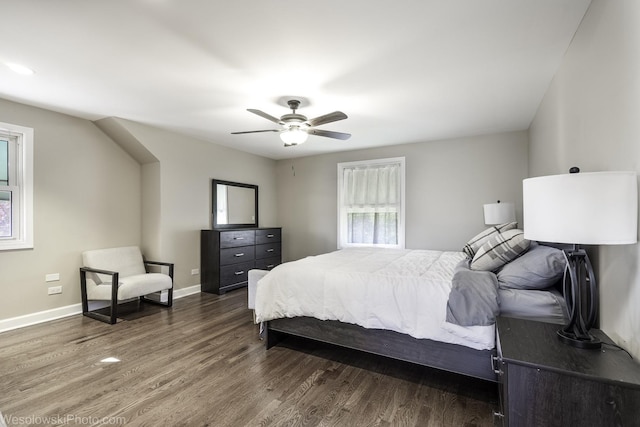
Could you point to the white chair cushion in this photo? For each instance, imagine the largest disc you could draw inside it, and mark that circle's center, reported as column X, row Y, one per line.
column 130, row 287
column 127, row 261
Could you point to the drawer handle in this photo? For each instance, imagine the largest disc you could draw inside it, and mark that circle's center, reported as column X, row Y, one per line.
column 270, row 266
column 238, row 273
column 270, row 250
column 270, row 235
column 238, row 238
column 239, row 255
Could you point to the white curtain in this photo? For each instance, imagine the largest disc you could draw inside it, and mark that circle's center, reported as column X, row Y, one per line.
column 371, row 197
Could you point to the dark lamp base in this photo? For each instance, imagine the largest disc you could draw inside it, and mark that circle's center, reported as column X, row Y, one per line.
column 585, row 342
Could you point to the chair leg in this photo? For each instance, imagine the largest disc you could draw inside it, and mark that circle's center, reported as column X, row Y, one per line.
column 83, row 291
column 169, row 302
column 114, row 298
column 113, row 318
column 99, row 316
column 113, row 315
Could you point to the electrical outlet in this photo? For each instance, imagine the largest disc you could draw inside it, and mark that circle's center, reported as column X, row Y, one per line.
column 195, row 271
column 53, row 277
column 55, row 290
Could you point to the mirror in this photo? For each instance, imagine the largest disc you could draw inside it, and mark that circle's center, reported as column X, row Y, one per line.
column 235, row 205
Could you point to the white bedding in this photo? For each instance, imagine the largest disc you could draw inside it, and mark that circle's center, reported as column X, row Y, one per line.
column 401, row 290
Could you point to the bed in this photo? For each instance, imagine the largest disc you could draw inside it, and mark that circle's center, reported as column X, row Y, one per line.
column 421, row 306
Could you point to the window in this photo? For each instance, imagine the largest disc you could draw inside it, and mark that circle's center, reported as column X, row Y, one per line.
column 371, row 203
column 16, row 187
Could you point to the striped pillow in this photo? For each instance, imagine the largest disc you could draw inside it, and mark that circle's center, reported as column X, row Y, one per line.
column 477, row 241
column 499, row 250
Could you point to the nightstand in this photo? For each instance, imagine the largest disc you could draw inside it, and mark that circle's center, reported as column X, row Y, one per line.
column 544, row 382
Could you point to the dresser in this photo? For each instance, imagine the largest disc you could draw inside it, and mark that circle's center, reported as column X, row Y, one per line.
column 226, row 256
column 544, row 382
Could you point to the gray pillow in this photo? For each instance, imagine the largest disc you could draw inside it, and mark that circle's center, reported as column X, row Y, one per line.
column 480, row 239
column 539, row 268
column 499, row 250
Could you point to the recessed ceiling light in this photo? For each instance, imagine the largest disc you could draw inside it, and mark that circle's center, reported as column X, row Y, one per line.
column 110, row 360
column 20, row 69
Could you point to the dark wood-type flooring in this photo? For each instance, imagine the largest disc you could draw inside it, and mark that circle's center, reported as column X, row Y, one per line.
column 201, row 363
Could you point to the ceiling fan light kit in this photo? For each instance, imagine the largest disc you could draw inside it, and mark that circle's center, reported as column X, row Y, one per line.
column 294, row 136
column 296, row 127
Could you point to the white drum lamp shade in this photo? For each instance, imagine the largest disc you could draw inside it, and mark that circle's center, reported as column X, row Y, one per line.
column 596, row 208
column 499, row 213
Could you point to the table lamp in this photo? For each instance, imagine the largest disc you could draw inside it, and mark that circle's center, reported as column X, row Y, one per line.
column 596, row 208
column 499, row 213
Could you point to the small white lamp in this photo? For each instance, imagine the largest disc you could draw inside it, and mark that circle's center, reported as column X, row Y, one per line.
column 598, row 208
column 499, row 213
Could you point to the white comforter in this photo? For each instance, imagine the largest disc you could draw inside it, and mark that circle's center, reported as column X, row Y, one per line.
column 401, row 290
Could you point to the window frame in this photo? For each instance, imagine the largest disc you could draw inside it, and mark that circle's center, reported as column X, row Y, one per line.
column 21, row 172
column 342, row 213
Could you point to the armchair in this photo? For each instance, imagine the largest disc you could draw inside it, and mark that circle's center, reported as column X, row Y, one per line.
column 118, row 274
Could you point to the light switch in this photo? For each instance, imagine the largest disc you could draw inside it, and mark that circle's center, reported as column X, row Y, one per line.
column 53, row 277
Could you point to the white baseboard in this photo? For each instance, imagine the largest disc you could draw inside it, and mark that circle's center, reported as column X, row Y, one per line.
column 183, row 292
column 69, row 310
column 39, row 317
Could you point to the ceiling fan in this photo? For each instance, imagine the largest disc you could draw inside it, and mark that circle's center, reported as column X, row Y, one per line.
column 296, row 127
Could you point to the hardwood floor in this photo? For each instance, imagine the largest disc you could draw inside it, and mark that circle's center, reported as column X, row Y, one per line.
column 201, row 363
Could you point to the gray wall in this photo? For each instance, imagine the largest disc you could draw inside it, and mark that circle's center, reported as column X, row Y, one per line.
column 589, row 118
column 86, row 196
column 177, row 192
column 447, row 182
column 89, row 193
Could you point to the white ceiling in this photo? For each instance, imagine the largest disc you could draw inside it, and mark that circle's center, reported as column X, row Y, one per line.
column 403, row 71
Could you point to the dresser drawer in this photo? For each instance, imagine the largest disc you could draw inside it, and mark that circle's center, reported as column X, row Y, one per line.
column 237, row 273
column 268, row 250
column 267, row 263
column 268, row 235
column 230, row 239
column 237, row 255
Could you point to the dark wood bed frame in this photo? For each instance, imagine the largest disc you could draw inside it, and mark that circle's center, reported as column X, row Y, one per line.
column 449, row 357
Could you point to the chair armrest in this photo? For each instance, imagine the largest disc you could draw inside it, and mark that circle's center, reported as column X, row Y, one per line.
column 168, row 264
column 164, row 264
column 85, row 270
column 115, row 277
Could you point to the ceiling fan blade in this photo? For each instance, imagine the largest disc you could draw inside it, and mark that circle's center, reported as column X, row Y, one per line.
column 255, row 131
column 328, row 118
column 330, row 134
column 265, row 115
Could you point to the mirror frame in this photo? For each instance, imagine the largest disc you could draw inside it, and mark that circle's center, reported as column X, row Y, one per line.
column 214, row 203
